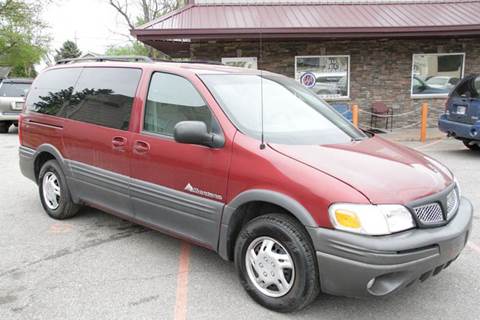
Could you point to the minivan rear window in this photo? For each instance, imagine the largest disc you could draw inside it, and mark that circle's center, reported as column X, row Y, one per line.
column 101, row 96
column 104, row 96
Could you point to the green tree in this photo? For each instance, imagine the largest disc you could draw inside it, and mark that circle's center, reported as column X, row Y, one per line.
column 133, row 49
column 69, row 50
column 150, row 10
column 23, row 41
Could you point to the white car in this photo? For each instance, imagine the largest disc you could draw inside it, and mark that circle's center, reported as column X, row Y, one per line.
column 12, row 98
column 442, row 82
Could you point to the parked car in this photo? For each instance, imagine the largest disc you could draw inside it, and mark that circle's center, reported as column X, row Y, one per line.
column 462, row 113
column 12, row 98
column 273, row 179
column 421, row 87
column 442, row 82
column 330, row 84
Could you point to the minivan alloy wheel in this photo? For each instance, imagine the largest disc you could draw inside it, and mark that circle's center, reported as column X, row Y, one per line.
column 270, row 267
column 51, row 190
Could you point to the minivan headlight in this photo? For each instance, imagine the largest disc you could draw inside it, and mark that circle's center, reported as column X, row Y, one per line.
column 370, row 219
column 458, row 187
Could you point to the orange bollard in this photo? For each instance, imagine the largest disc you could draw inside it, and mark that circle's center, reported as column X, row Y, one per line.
column 423, row 129
column 355, row 115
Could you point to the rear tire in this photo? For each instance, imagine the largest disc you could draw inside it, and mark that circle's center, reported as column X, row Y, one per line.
column 54, row 193
column 276, row 263
column 4, row 126
column 472, row 145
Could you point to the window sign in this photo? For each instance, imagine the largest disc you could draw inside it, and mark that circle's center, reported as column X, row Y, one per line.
column 327, row 76
column 436, row 74
column 242, row 62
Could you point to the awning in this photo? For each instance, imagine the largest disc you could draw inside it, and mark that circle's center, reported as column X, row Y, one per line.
column 306, row 21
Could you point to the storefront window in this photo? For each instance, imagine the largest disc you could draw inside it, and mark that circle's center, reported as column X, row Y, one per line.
column 436, row 74
column 327, row 76
column 242, row 62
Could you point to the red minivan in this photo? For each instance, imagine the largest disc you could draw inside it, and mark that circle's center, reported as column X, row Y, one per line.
column 249, row 164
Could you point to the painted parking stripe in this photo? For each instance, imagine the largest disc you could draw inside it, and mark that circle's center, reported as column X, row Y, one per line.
column 424, row 146
column 473, row 246
column 182, row 282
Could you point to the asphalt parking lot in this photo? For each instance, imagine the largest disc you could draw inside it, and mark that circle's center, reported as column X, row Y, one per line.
column 96, row 266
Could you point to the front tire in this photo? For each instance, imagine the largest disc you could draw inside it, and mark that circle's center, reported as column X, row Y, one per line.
column 276, row 263
column 472, row 145
column 54, row 193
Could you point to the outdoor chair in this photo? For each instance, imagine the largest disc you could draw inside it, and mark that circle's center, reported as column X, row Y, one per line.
column 381, row 111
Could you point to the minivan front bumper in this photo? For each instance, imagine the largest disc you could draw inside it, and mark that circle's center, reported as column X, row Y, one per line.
column 458, row 129
column 360, row 266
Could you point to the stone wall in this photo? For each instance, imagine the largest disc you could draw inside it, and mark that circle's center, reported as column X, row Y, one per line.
column 380, row 70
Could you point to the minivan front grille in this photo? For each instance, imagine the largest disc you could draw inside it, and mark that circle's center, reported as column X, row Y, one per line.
column 429, row 213
column 433, row 212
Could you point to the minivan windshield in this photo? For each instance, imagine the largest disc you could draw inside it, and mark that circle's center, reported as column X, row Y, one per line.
column 292, row 114
column 14, row 89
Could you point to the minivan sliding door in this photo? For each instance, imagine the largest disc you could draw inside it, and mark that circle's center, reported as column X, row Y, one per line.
column 97, row 136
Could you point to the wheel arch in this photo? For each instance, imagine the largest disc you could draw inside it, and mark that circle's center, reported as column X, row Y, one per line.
column 251, row 204
column 44, row 153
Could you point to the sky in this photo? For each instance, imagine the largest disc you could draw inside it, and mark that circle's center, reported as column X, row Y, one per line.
column 94, row 24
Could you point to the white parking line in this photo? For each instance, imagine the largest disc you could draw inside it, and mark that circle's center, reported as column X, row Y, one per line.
column 424, row 146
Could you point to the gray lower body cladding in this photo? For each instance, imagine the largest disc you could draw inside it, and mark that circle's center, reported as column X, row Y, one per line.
column 361, row 266
column 26, row 162
column 171, row 211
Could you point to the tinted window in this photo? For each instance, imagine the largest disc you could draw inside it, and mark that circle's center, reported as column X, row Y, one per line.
column 172, row 99
column 477, row 84
column 11, row 89
column 469, row 87
column 52, row 90
column 104, row 96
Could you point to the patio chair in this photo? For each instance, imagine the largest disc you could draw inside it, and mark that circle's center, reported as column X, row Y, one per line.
column 381, row 111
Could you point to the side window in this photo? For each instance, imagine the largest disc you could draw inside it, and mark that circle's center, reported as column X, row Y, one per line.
column 104, row 96
column 172, row 99
column 52, row 90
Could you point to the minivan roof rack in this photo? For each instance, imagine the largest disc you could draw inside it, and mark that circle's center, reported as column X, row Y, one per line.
column 190, row 61
column 107, row 58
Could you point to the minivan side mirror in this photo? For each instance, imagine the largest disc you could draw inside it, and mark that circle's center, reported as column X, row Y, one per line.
column 195, row 132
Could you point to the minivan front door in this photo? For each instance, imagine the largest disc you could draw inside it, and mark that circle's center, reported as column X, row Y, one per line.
column 178, row 188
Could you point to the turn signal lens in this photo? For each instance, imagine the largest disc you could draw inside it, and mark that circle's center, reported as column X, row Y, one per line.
column 347, row 219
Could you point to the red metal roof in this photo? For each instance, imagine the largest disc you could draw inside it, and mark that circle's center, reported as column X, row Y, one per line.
column 439, row 18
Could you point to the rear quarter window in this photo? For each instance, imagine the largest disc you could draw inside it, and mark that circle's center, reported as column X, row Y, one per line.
column 52, row 90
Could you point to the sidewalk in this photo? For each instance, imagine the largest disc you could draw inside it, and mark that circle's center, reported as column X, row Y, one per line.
column 413, row 134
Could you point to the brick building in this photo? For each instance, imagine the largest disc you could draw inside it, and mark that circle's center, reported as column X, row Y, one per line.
column 400, row 52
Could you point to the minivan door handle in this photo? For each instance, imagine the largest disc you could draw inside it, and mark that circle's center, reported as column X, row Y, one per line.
column 141, row 147
column 119, row 142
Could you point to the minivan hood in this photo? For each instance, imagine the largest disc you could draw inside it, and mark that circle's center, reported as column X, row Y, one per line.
column 383, row 171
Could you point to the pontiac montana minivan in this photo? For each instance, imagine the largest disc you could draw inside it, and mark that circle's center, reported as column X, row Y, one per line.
column 249, row 164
